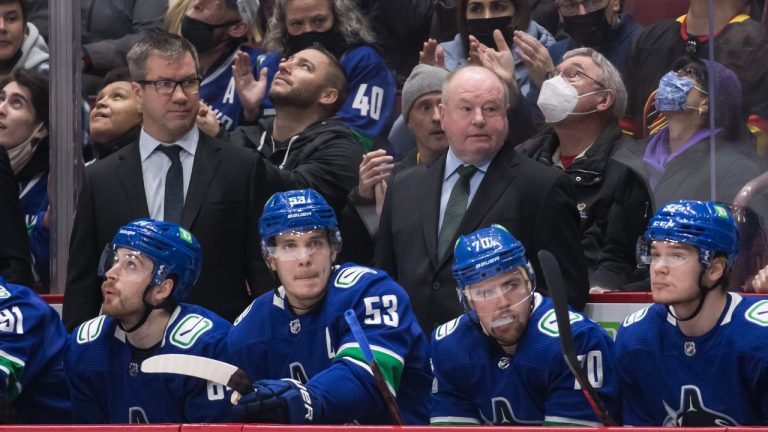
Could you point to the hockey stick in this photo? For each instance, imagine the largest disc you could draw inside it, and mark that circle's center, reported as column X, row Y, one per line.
column 201, row 367
column 365, row 347
column 554, row 278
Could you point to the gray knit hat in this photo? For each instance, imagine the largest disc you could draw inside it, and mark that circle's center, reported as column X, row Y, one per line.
column 423, row 79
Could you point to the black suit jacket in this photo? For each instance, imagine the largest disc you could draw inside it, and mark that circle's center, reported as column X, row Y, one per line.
column 15, row 257
column 221, row 208
column 532, row 201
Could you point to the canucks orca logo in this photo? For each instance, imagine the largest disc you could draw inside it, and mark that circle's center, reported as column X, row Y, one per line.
column 693, row 412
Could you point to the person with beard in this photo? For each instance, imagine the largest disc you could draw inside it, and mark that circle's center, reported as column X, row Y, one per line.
column 219, row 30
column 698, row 356
column 339, row 27
column 24, row 134
column 303, row 145
column 595, row 24
column 501, row 362
column 150, row 267
column 115, row 120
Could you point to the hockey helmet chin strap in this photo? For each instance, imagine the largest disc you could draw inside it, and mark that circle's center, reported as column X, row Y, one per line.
column 703, row 291
column 482, row 329
column 148, row 308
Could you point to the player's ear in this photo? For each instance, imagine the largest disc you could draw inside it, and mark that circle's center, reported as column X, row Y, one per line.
column 271, row 263
column 717, row 268
column 164, row 290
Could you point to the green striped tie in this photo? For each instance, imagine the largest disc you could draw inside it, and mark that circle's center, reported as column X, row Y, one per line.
column 454, row 210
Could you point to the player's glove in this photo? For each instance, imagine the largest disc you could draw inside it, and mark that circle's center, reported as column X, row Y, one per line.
column 278, row 401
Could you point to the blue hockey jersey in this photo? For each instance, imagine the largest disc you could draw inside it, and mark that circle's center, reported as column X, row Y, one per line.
column 218, row 89
column 108, row 386
column 371, row 90
column 718, row 379
column 32, row 346
column 476, row 382
column 269, row 341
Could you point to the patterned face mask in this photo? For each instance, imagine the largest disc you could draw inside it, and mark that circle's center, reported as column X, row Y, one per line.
column 672, row 92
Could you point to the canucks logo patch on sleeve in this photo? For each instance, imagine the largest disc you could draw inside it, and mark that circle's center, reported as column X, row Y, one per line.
column 4, row 293
column 635, row 317
column 90, row 330
column 349, row 276
column 758, row 313
column 189, row 330
column 447, row 328
column 548, row 323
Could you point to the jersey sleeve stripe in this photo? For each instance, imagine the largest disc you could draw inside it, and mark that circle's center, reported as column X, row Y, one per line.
column 375, row 349
column 357, row 358
column 565, row 421
column 437, row 421
column 13, row 368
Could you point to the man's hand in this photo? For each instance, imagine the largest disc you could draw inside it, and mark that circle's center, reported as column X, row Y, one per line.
column 250, row 90
column 374, row 169
column 278, row 401
column 760, row 281
column 206, row 120
column 535, row 57
column 500, row 61
column 432, row 54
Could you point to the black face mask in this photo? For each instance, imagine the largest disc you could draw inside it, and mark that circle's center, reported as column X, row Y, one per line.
column 200, row 34
column 587, row 30
column 483, row 29
column 331, row 40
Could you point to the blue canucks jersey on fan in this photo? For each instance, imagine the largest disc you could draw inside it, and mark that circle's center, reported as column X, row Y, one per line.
column 32, row 346
column 269, row 341
column 108, row 387
column 218, row 89
column 718, row 379
column 476, row 382
column 371, row 90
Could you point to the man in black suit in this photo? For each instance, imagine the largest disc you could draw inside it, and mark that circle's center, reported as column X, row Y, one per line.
column 15, row 258
column 174, row 173
column 422, row 215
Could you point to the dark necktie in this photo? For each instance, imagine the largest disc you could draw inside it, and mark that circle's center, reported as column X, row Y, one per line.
column 454, row 210
column 174, row 184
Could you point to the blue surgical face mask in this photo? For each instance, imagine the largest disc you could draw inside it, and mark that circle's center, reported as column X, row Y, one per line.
column 673, row 90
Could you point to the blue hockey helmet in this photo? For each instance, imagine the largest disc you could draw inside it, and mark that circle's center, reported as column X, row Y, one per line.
column 172, row 249
column 708, row 226
column 298, row 211
column 486, row 253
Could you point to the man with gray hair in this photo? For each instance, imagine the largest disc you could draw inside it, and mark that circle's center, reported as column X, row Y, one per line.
column 172, row 173
column 582, row 103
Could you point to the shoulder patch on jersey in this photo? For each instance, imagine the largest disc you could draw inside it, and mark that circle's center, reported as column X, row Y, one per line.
column 758, row 313
column 90, row 330
column 4, row 293
column 635, row 317
column 548, row 323
column 243, row 314
column 445, row 329
column 189, row 330
column 350, row 276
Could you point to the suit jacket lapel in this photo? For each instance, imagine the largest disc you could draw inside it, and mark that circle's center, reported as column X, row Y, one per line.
column 207, row 160
column 495, row 182
column 131, row 178
column 429, row 206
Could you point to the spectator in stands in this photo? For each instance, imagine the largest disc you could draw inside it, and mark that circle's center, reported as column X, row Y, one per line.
column 479, row 18
column 303, row 145
column 24, row 134
column 598, row 25
column 150, row 267
column 219, row 29
column 23, row 46
column 115, row 120
column 741, row 46
column 676, row 161
column 109, row 29
column 583, row 104
column 171, row 172
column 479, row 182
column 421, row 97
column 33, row 343
column 15, row 258
column 340, row 28
column 666, row 353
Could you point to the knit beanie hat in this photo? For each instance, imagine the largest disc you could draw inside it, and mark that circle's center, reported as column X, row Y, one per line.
column 423, row 79
column 727, row 100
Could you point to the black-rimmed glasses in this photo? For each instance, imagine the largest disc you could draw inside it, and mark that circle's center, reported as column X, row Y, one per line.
column 166, row 87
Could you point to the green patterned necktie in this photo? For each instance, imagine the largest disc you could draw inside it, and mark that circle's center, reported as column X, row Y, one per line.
column 454, row 210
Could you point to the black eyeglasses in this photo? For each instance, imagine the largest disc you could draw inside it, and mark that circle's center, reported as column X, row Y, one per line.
column 166, row 87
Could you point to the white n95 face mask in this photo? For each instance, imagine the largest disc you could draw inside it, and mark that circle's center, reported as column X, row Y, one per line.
column 558, row 98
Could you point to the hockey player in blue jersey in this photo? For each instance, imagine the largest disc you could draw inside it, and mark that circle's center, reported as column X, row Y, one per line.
column 699, row 355
column 296, row 344
column 150, row 266
column 501, row 362
column 33, row 385
column 219, row 30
